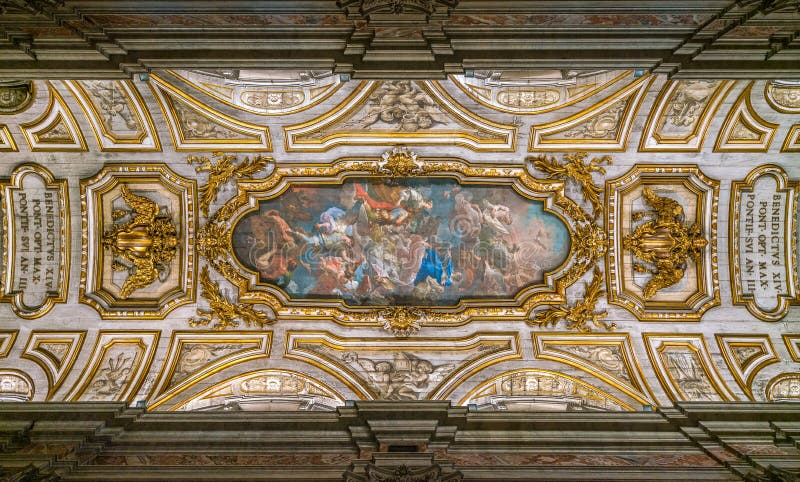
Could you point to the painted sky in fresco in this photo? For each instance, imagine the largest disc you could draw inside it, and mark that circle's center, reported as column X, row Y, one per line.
column 422, row 241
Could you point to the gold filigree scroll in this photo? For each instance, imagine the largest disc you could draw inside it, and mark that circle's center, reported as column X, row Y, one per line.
column 144, row 245
column 579, row 313
column 587, row 244
column 664, row 244
column 579, row 171
column 589, row 240
column 219, row 173
column 223, row 312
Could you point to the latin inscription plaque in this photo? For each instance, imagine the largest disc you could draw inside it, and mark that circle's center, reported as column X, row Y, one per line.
column 763, row 241
column 36, row 241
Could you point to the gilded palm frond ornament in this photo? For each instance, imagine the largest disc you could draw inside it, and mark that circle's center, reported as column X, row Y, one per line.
column 144, row 245
column 664, row 244
column 222, row 312
column 225, row 168
column 580, row 171
column 579, row 314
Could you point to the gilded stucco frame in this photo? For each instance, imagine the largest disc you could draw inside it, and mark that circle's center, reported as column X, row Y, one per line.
column 214, row 241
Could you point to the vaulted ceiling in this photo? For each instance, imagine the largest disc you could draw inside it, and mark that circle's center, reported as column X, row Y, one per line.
column 259, row 239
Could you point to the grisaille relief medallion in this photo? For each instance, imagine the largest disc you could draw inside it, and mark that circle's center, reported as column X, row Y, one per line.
column 410, row 369
column 271, row 389
column 541, row 390
column 139, row 222
column 400, row 240
column 385, row 112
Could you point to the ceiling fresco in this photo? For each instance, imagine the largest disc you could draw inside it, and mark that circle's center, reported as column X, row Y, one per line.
column 569, row 240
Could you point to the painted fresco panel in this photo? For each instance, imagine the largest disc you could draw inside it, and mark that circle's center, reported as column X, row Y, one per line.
column 428, row 242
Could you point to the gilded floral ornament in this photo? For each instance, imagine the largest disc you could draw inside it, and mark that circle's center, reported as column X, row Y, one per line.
column 579, row 171
column 400, row 162
column 222, row 311
column 664, row 244
column 401, row 321
column 144, row 246
column 580, row 313
column 227, row 167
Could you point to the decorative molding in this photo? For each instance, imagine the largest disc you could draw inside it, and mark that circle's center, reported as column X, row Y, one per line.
column 792, row 141
column 7, row 143
column 532, row 99
column 16, row 386
column 383, row 8
column 578, row 314
column 16, row 96
column 604, row 126
column 270, row 99
column 695, row 197
column 764, row 275
column 403, row 472
column 7, row 339
column 214, row 240
column 783, row 388
column 524, row 389
column 164, row 280
column 792, row 342
column 194, row 126
column 744, row 130
column 117, row 113
column 609, row 357
column 682, row 114
column 117, row 367
column 221, row 169
column 746, row 355
column 56, row 129
column 784, row 98
column 271, row 388
column 392, row 369
column 193, row 356
column 36, row 241
column 55, row 352
column 434, row 118
column 684, row 367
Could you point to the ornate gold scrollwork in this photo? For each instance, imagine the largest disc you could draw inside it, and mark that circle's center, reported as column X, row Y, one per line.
column 664, row 243
column 579, row 313
column 400, row 163
column 223, row 312
column 402, row 321
column 588, row 242
column 147, row 242
column 579, row 171
column 222, row 172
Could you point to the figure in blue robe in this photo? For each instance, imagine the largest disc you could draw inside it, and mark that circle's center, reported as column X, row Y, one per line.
column 436, row 267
